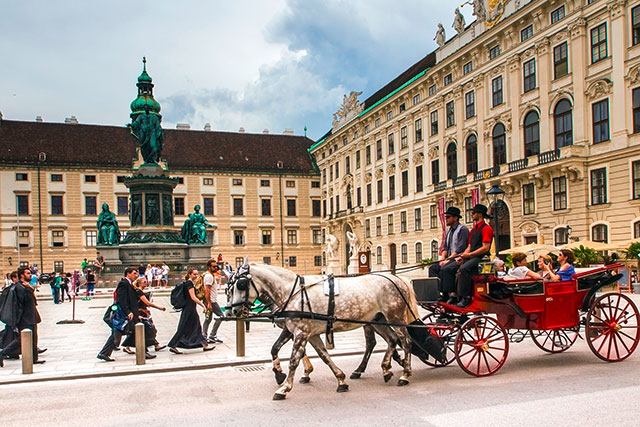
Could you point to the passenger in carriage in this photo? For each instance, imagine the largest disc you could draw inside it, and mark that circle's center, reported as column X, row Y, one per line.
column 479, row 246
column 544, row 260
column 520, row 269
column 566, row 270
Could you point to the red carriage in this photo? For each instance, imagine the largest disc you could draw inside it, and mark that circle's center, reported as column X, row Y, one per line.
column 552, row 313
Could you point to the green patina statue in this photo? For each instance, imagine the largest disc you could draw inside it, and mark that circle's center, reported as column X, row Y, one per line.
column 108, row 231
column 194, row 230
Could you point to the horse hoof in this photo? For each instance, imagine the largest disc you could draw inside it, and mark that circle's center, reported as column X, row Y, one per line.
column 356, row 375
column 342, row 388
column 280, row 377
column 279, row 396
column 305, row 380
column 387, row 377
column 402, row 382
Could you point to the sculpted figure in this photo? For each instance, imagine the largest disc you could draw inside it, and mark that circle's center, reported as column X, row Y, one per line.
column 198, row 227
column 185, row 233
column 152, row 216
column 332, row 245
column 146, row 128
column 136, row 209
column 459, row 22
column 440, row 36
column 108, row 231
column 353, row 244
column 167, row 210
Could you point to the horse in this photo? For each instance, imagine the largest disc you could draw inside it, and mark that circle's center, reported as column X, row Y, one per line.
column 362, row 299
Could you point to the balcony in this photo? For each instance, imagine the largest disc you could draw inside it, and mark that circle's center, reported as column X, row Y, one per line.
column 549, row 156
column 442, row 185
column 518, row 165
column 461, row 180
column 486, row 173
column 345, row 212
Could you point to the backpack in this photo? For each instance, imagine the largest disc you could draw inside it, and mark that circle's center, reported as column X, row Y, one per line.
column 178, row 297
column 198, row 288
column 9, row 310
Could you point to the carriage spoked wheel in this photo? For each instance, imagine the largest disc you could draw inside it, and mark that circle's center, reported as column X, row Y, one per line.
column 555, row 340
column 613, row 327
column 481, row 346
column 447, row 334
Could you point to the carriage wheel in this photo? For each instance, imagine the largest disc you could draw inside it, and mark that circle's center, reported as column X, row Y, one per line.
column 448, row 337
column 556, row 340
column 481, row 346
column 612, row 327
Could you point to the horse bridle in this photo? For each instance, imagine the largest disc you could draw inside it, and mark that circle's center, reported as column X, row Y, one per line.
column 242, row 282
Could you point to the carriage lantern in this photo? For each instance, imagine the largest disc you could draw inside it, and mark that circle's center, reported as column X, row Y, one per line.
column 496, row 195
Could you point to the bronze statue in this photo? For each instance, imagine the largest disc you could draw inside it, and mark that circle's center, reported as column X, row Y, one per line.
column 146, row 128
column 185, row 233
column 108, row 231
column 198, row 227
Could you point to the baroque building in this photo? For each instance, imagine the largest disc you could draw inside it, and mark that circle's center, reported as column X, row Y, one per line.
column 260, row 191
column 541, row 98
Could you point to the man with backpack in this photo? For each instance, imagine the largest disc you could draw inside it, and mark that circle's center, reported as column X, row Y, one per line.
column 211, row 301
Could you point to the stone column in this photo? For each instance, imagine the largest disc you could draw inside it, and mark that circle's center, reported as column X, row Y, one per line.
column 578, row 64
column 515, row 149
column 618, row 40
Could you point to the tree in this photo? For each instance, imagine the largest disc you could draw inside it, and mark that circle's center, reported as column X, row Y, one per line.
column 585, row 256
column 633, row 252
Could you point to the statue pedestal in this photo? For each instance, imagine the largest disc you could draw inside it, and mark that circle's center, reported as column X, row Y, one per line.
column 333, row 267
column 353, row 265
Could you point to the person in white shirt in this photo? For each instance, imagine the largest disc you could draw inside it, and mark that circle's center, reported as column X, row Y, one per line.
column 165, row 274
column 211, row 301
column 520, row 269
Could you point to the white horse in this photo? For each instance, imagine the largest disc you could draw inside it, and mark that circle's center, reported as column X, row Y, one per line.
column 361, row 299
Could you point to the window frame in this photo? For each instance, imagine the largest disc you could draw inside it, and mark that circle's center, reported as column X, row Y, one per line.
column 561, row 60
column 598, row 186
column 560, row 194
column 497, row 94
column 600, row 127
column 529, row 75
column 599, row 44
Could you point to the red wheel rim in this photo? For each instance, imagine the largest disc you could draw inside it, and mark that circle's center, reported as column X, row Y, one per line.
column 556, row 340
column 446, row 333
column 482, row 346
column 612, row 327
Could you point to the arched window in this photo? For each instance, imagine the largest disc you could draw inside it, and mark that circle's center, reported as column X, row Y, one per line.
column 531, row 134
column 435, row 249
column 419, row 251
column 636, row 230
column 452, row 161
column 600, row 233
column 379, row 255
column 404, row 253
column 561, row 236
column 499, row 145
column 472, row 154
column 563, row 121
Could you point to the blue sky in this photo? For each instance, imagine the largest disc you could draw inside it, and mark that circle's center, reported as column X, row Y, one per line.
column 257, row 64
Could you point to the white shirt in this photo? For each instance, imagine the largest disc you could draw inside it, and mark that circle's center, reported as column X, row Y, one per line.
column 207, row 280
column 519, row 272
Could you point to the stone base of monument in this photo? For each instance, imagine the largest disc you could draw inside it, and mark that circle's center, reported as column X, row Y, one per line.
column 333, row 267
column 353, row 265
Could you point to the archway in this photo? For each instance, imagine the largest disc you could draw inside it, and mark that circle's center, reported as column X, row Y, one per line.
column 392, row 257
column 503, row 231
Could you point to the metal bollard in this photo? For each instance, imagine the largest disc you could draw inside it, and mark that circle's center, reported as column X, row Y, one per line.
column 240, row 338
column 141, row 349
column 26, row 344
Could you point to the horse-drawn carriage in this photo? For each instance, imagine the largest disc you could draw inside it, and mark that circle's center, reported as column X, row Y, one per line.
column 552, row 313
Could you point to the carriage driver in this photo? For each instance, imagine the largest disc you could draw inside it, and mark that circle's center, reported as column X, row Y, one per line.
column 479, row 245
column 455, row 242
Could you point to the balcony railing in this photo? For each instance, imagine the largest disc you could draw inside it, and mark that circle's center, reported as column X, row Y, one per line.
column 518, row 165
column 548, row 156
column 440, row 186
column 345, row 212
column 486, row 173
column 461, row 180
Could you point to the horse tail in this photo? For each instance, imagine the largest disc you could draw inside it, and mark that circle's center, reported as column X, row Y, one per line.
column 411, row 310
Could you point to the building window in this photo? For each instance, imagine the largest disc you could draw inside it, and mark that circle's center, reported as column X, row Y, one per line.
column 560, row 236
column 389, row 115
column 347, row 165
column 560, row 60
column 418, row 252
column 467, row 68
column 379, row 255
column 469, row 104
column 239, row 262
column 357, row 159
column 452, row 161
column 207, row 181
column 390, row 229
column 560, row 193
column 472, row 154
column 317, row 261
column 379, row 149
column 557, row 14
column 499, row 145
column 494, row 52
column 237, row 181
column 599, row 186
column 119, row 179
column 337, row 170
column 292, row 184
column 418, row 128
column 404, row 140
column 379, row 188
column 496, row 88
column 404, row 253
column 451, row 114
column 316, row 236
column 123, row 205
column 56, row 205
column 417, row 219
column 377, row 122
column 91, row 236
column 265, row 183
column 600, row 121
column 636, row 230
column 528, row 199
column 367, row 155
column 330, row 173
column 529, row 73
column 266, row 260
column 367, row 228
column 433, row 216
column 531, row 134
column 369, row 195
column 57, row 238
column 419, row 179
column 315, row 184
column 432, row 90
column 526, row 33
column 315, row 207
column 237, row 207
column 403, row 221
column 599, row 43
column 207, row 203
column 291, row 207
column 599, row 233
column 435, row 171
column 434, row 122
column 434, row 249
column 178, row 203
column 635, row 24
column 563, row 121
column 58, row 266
column 378, row 226
column 636, row 109
column 405, row 183
column 324, row 176
column 292, row 237
column 22, row 201
column 392, row 187
column 266, row 237
column 265, row 207
column 20, row 176
column 447, row 79
column 180, row 180
column 90, row 178
column 391, row 144
column 416, row 99
column 468, row 205
column 57, row 177
column 238, row 237
column 635, row 170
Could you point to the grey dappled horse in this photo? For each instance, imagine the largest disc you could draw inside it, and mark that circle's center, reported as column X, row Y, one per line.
column 362, row 298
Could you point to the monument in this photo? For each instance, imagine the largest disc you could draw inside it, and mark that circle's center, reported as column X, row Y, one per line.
column 152, row 238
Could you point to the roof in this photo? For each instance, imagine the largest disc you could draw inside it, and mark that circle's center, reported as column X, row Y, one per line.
column 113, row 146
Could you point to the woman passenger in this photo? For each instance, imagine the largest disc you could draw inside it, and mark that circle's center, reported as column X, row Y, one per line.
column 542, row 261
column 566, row 270
column 520, row 269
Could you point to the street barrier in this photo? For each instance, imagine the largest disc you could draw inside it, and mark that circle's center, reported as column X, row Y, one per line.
column 26, row 344
column 240, row 338
column 140, row 345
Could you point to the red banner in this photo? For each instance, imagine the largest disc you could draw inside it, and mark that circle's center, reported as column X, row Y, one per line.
column 441, row 209
column 475, row 196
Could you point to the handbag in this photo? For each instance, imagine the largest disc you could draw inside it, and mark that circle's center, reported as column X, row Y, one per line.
column 117, row 318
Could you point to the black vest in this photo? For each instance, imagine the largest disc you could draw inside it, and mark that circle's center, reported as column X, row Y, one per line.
column 476, row 238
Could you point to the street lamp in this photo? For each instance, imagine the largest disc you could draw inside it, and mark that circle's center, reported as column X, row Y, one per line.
column 568, row 228
column 496, row 194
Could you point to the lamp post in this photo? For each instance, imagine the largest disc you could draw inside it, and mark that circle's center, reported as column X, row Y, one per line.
column 496, row 195
column 568, row 228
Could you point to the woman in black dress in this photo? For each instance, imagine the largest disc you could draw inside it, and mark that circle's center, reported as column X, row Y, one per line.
column 150, row 331
column 189, row 333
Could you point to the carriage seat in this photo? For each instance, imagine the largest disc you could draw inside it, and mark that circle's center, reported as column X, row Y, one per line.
column 503, row 288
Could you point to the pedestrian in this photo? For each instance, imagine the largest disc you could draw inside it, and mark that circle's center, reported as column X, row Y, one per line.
column 148, row 273
column 220, row 263
column 211, row 300
column 55, row 286
column 157, row 274
column 141, row 269
column 76, row 282
column 165, row 274
column 83, row 265
column 189, row 332
column 99, row 263
column 91, row 282
column 150, row 331
column 28, row 316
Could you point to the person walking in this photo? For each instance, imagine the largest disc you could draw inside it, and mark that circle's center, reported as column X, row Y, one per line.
column 83, row 265
column 150, row 331
column 55, row 286
column 211, row 298
column 165, row 274
column 189, row 332
column 148, row 274
column 91, row 282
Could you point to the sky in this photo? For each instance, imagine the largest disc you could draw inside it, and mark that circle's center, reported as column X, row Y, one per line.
column 256, row 64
